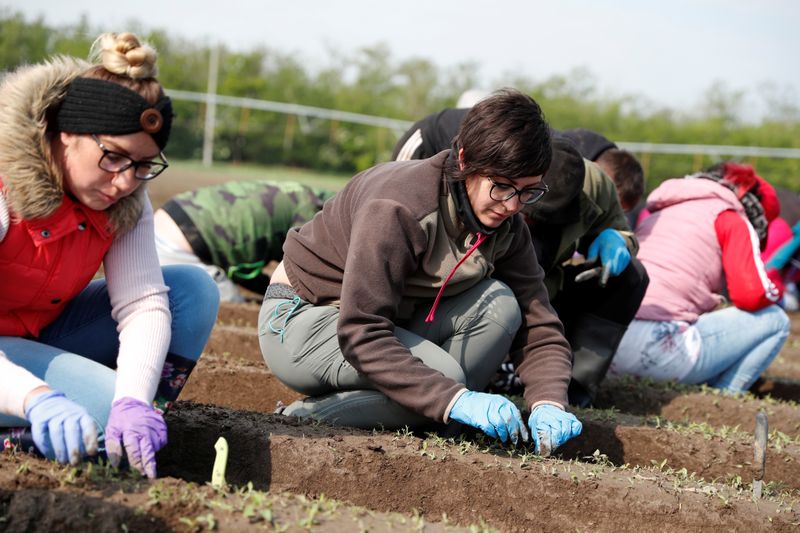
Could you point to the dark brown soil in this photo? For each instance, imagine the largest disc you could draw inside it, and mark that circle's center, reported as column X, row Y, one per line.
column 397, row 472
column 651, row 457
column 39, row 496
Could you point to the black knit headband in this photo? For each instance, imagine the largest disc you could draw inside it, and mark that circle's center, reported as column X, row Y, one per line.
column 750, row 202
column 104, row 107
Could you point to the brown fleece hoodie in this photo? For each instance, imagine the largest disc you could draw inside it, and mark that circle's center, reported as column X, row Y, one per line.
column 385, row 244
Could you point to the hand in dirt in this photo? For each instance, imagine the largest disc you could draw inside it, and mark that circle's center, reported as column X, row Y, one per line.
column 551, row 427
column 61, row 429
column 493, row 414
column 140, row 429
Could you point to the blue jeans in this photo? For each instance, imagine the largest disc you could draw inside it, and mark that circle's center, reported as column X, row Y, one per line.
column 77, row 353
column 737, row 346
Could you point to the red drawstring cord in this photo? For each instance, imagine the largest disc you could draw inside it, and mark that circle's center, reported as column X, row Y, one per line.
column 481, row 238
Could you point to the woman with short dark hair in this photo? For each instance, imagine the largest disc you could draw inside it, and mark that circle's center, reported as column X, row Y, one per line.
column 397, row 303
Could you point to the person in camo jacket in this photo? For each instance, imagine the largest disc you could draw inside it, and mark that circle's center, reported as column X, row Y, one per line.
column 234, row 230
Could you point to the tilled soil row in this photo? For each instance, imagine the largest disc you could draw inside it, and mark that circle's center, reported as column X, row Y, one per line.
column 396, row 472
column 236, row 383
column 715, row 458
column 786, row 365
column 246, row 383
column 219, row 381
column 235, row 341
column 244, row 314
column 692, row 405
column 37, row 496
column 236, row 333
column 623, row 438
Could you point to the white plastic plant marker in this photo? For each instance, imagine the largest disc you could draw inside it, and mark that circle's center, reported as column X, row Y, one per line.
column 760, row 453
column 220, row 463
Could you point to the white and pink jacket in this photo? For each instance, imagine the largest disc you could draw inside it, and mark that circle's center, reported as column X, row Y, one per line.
column 696, row 241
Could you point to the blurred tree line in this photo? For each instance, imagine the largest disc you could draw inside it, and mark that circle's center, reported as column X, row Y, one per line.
column 372, row 82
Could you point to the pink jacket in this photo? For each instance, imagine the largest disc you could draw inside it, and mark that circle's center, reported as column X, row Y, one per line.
column 678, row 245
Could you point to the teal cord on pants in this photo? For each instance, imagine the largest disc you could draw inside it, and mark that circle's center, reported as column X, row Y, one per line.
column 295, row 303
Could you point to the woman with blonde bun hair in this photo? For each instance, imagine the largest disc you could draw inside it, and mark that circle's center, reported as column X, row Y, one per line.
column 89, row 366
column 122, row 54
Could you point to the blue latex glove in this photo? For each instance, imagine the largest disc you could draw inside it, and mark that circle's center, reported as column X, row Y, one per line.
column 61, row 429
column 551, row 427
column 493, row 414
column 781, row 257
column 140, row 429
column 614, row 254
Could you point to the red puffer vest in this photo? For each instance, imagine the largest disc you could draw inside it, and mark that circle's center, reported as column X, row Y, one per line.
column 46, row 262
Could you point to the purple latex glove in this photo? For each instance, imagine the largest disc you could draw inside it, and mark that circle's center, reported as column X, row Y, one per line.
column 140, row 429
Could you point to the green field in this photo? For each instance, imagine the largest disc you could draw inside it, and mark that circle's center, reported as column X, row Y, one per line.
column 186, row 175
column 250, row 171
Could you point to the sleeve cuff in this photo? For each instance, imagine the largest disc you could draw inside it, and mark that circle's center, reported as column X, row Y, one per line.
column 17, row 382
column 547, row 402
column 452, row 403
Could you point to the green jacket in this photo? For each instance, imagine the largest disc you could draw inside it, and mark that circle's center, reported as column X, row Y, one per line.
column 240, row 226
column 599, row 209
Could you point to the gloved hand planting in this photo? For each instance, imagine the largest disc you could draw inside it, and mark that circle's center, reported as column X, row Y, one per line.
column 614, row 255
column 61, row 429
column 551, row 427
column 140, row 429
column 493, row 414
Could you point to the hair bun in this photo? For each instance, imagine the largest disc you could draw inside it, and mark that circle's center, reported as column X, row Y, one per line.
column 125, row 55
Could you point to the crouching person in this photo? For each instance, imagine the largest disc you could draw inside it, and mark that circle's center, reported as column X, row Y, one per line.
column 90, row 364
column 397, row 303
column 234, row 230
column 703, row 239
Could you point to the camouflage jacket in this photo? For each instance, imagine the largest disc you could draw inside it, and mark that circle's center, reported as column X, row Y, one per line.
column 240, row 226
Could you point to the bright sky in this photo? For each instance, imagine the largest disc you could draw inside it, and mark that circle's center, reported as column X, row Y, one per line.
column 668, row 52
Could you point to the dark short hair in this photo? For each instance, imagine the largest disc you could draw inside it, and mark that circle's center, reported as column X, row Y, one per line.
column 503, row 135
column 626, row 172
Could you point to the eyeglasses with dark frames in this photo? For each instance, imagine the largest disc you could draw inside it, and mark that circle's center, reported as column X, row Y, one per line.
column 112, row 161
column 501, row 192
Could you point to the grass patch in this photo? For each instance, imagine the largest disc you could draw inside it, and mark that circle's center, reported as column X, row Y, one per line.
column 235, row 172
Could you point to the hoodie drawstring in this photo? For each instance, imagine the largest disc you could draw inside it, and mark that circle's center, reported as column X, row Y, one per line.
column 481, row 238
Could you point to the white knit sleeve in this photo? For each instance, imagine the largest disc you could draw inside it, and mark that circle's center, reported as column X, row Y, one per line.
column 15, row 384
column 141, row 308
column 4, row 217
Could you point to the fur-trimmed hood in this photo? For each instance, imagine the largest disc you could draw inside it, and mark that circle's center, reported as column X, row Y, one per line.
column 33, row 182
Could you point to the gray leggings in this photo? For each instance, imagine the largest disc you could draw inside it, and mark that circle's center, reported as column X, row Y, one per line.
column 467, row 341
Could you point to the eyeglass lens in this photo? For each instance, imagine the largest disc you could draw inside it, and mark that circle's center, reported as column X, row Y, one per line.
column 502, row 192
column 116, row 162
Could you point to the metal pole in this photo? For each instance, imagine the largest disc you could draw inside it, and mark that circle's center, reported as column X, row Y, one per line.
column 211, row 107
